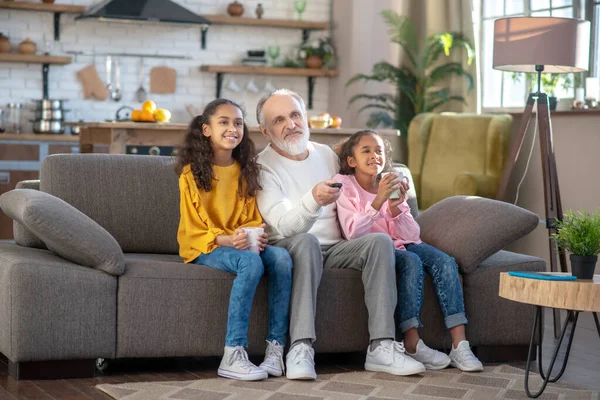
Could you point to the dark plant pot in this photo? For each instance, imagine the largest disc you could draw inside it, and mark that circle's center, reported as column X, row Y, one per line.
column 552, row 101
column 583, row 266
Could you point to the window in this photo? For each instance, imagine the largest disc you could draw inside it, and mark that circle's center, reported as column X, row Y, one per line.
column 595, row 18
column 504, row 89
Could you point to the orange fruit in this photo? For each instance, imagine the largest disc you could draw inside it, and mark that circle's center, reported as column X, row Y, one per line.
column 162, row 115
column 149, row 105
column 336, row 122
column 146, row 115
column 136, row 115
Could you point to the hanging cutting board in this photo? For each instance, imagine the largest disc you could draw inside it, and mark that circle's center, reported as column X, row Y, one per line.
column 163, row 80
column 92, row 84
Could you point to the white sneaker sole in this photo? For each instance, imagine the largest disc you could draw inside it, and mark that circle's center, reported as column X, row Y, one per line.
column 395, row 371
column 256, row 376
column 464, row 368
column 301, row 375
column 433, row 367
column 271, row 371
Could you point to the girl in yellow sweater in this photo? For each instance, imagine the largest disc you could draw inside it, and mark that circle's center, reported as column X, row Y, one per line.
column 218, row 183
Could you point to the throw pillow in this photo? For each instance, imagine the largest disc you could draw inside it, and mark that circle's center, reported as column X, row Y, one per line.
column 471, row 229
column 65, row 230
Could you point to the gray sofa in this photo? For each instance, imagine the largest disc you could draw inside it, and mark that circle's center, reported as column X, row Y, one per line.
column 58, row 316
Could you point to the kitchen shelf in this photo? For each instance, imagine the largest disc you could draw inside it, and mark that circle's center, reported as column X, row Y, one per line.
column 45, row 60
column 34, row 58
column 306, row 26
column 57, row 9
column 310, row 73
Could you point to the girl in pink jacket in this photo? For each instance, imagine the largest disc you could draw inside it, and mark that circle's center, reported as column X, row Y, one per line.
column 369, row 203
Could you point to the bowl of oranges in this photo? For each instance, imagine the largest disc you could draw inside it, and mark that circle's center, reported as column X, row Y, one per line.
column 150, row 113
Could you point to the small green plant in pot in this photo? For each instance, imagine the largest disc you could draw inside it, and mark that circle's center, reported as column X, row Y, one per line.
column 579, row 234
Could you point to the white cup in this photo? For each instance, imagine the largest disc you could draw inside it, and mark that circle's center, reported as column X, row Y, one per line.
column 252, row 234
column 395, row 194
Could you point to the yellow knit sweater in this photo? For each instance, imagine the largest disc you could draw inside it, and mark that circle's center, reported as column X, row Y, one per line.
column 205, row 215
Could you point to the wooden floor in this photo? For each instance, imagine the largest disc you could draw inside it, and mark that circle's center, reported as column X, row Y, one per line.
column 583, row 369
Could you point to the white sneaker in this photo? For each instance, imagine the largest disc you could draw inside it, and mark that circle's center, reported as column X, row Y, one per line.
column 430, row 358
column 390, row 357
column 235, row 365
column 300, row 362
column 463, row 358
column 273, row 362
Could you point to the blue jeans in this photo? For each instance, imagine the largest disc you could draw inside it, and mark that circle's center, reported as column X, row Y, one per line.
column 249, row 268
column 411, row 266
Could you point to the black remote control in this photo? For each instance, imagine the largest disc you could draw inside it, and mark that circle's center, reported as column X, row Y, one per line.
column 336, row 185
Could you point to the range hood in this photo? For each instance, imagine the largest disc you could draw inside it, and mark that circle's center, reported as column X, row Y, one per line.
column 143, row 10
column 163, row 11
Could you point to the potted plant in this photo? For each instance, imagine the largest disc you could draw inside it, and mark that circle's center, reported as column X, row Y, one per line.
column 420, row 85
column 579, row 234
column 317, row 53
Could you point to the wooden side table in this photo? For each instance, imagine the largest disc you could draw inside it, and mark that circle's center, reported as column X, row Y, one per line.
column 573, row 296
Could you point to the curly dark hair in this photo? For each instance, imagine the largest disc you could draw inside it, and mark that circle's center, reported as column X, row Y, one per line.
column 345, row 149
column 198, row 152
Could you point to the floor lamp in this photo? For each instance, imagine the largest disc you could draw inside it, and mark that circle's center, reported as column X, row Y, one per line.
column 541, row 44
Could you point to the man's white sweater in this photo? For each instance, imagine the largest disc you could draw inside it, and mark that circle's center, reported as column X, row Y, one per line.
column 286, row 202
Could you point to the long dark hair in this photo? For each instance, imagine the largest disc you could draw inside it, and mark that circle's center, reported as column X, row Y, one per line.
column 198, row 152
column 345, row 149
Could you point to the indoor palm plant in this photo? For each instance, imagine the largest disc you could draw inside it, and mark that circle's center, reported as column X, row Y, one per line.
column 418, row 86
column 579, row 234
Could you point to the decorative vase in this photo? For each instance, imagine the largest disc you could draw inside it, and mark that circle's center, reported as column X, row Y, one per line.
column 259, row 11
column 27, row 47
column 235, row 9
column 4, row 44
column 583, row 266
column 314, row 62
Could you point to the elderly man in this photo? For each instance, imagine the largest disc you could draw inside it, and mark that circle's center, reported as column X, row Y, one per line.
column 298, row 204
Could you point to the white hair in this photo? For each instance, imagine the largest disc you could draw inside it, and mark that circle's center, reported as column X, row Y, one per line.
column 259, row 107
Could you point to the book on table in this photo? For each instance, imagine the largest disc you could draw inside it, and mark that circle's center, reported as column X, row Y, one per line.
column 548, row 276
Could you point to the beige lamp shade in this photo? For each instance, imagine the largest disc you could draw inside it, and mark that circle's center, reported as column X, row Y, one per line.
column 559, row 44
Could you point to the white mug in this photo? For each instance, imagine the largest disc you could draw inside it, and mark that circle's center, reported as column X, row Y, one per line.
column 396, row 193
column 252, row 234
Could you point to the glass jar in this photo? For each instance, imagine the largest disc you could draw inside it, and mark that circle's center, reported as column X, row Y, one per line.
column 13, row 118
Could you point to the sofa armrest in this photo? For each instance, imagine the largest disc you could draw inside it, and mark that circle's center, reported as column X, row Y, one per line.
column 467, row 184
column 52, row 309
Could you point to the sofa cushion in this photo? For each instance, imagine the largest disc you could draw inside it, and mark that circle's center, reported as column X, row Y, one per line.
column 23, row 236
column 471, row 229
column 134, row 197
column 64, row 229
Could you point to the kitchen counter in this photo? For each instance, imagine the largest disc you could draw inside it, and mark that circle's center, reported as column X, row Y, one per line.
column 119, row 135
column 34, row 137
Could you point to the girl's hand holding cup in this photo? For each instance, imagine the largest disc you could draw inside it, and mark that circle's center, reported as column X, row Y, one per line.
column 239, row 239
column 263, row 239
column 256, row 239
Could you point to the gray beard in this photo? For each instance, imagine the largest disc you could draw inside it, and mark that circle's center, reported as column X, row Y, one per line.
column 295, row 148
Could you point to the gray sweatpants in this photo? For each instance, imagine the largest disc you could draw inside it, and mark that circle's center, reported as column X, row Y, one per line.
column 372, row 254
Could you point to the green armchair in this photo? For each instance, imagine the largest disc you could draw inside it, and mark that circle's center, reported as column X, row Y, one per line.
column 457, row 154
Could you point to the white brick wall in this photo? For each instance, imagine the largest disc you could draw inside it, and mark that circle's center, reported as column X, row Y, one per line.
column 22, row 83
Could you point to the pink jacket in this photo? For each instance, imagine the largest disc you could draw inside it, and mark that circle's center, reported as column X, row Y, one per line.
column 357, row 217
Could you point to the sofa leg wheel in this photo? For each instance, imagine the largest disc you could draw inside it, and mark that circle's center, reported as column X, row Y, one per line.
column 101, row 364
